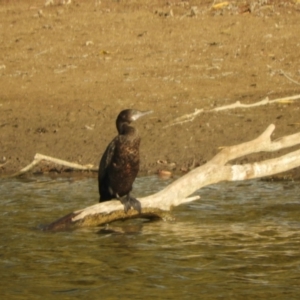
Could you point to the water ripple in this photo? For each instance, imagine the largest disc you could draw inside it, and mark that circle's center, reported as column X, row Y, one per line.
column 238, row 240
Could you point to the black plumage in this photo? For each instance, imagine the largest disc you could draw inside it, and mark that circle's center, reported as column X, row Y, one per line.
column 120, row 162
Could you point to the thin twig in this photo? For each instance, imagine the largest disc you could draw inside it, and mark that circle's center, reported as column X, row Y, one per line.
column 288, row 77
column 185, row 118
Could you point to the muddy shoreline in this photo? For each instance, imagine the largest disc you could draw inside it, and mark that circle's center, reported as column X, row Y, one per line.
column 67, row 71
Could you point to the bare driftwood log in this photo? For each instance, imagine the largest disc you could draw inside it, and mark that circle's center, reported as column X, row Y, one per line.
column 216, row 170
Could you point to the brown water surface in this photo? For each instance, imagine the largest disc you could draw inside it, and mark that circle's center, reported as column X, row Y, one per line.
column 239, row 241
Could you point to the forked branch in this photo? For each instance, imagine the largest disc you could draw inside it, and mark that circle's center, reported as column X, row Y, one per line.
column 216, row 170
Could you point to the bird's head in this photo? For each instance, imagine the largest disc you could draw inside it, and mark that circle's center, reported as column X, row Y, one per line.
column 128, row 116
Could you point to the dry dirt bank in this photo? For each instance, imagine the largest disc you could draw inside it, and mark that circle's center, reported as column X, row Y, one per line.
column 67, row 71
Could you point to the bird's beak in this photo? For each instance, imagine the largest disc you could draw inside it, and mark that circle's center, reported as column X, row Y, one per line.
column 137, row 114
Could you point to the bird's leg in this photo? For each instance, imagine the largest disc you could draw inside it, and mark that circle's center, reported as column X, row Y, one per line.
column 134, row 203
column 129, row 202
column 125, row 202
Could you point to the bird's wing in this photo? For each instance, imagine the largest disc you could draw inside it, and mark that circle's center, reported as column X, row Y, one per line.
column 106, row 159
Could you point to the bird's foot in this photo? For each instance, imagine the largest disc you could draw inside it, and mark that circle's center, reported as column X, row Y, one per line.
column 129, row 202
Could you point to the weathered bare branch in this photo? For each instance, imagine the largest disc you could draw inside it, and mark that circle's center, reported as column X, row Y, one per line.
column 190, row 117
column 265, row 101
column 40, row 157
column 216, row 170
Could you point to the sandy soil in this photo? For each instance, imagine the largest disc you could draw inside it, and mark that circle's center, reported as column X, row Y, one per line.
column 67, row 71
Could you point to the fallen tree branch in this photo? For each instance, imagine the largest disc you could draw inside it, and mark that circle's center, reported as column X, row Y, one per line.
column 40, row 157
column 190, row 117
column 106, row 212
column 265, row 101
column 214, row 171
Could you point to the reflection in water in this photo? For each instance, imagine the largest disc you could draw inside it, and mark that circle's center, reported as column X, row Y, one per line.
column 240, row 240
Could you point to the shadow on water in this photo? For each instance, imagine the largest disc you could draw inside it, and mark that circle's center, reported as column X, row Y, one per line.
column 240, row 240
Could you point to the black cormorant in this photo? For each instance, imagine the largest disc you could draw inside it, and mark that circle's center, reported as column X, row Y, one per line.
column 120, row 162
